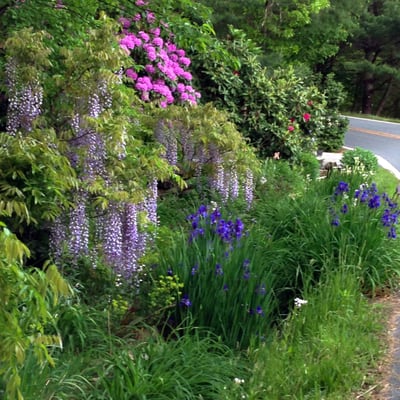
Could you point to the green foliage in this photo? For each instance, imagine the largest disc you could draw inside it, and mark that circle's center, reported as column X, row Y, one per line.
column 190, row 367
column 27, row 298
column 277, row 110
column 360, row 160
column 226, row 283
column 319, row 352
column 166, row 291
column 279, row 180
column 310, row 165
column 353, row 235
column 35, row 179
column 281, row 21
column 202, row 130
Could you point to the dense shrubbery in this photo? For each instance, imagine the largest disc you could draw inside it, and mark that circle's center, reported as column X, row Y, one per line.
column 181, row 303
column 278, row 110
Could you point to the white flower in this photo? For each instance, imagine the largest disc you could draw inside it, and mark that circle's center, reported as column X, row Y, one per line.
column 299, row 302
column 238, row 381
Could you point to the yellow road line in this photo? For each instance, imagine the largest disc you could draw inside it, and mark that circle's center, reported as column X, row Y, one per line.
column 376, row 133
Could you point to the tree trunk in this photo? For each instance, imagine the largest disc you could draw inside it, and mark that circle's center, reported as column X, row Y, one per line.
column 368, row 90
column 385, row 96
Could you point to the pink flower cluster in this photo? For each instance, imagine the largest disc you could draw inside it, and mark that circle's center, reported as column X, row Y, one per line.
column 306, row 118
column 163, row 74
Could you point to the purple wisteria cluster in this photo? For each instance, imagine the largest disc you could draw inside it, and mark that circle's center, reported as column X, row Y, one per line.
column 163, row 73
column 25, row 101
column 181, row 148
column 112, row 234
column 367, row 196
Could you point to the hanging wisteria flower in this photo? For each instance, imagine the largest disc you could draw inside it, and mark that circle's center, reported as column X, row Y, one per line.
column 25, row 100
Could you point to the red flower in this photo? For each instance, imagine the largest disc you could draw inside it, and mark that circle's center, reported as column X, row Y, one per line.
column 290, row 128
column 306, row 117
column 309, row 103
column 236, row 73
column 292, row 119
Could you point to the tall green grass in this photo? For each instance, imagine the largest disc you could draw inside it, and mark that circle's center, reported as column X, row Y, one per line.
column 227, row 285
column 323, row 348
column 325, row 224
column 190, row 367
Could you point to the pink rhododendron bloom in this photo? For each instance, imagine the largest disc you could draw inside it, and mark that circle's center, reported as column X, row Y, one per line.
column 306, row 117
column 145, row 36
column 180, row 87
column 128, row 41
column 155, row 31
column 164, row 55
column 141, row 3
column 150, row 69
column 130, row 73
column 290, row 128
column 150, row 17
column 185, row 61
column 125, row 22
column 164, row 60
column 171, row 47
column 137, row 41
column 151, row 53
column 144, row 84
column 158, row 42
column 186, row 75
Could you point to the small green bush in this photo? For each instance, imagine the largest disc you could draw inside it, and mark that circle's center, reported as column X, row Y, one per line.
column 309, row 165
column 360, row 160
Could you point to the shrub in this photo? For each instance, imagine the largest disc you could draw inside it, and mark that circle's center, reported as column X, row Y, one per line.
column 27, row 296
column 360, row 160
column 278, row 110
column 309, row 165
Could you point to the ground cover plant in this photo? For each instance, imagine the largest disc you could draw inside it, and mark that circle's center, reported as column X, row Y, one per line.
column 149, row 250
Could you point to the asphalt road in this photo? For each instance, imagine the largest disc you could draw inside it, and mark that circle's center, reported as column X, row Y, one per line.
column 382, row 138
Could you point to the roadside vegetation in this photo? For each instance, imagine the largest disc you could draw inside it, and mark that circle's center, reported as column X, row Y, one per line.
column 165, row 231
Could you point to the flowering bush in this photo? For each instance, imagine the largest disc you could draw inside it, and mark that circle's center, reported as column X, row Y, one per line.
column 278, row 110
column 225, row 287
column 160, row 71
